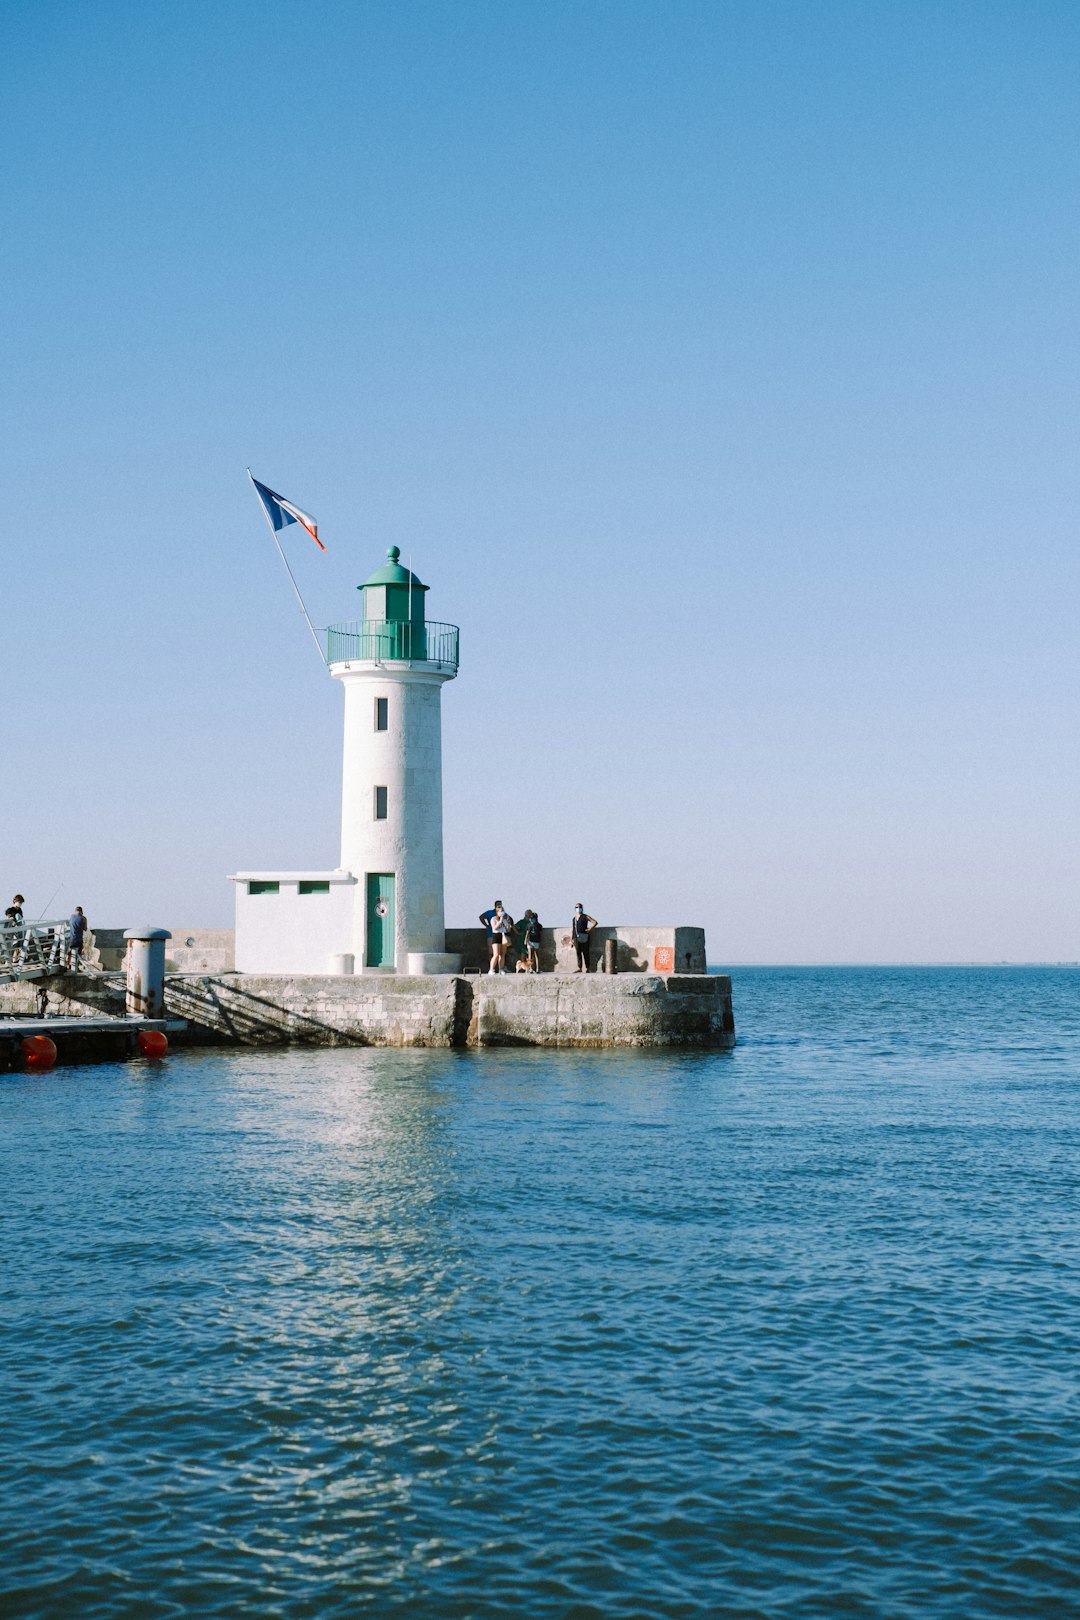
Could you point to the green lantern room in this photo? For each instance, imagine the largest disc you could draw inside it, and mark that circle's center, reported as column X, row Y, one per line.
column 394, row 609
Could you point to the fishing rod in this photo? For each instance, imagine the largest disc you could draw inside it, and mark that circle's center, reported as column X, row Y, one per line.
column 49, row 903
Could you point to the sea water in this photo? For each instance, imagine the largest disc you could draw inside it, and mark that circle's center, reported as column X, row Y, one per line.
column 786, row 1331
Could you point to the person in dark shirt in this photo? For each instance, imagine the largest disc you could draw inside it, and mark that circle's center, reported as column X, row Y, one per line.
column 532, row 934
column 580, row 929
column 76, row 938
column 13, row 919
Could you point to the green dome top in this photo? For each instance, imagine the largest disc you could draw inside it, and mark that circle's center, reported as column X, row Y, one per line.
column 392, row 573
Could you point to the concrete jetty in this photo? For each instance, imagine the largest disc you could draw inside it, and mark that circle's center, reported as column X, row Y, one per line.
column 431, row 1010
column 661, row 995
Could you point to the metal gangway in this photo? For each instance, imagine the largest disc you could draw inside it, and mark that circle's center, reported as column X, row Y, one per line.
column 33, row 950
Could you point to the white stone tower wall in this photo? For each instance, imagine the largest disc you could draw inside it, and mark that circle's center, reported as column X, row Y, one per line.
column 406, row 759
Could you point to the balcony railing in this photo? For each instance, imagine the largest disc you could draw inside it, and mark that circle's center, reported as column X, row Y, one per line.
column 391, row 641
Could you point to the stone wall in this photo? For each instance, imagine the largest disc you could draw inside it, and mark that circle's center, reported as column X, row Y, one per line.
column 69, row 996
column 212, row 950
column 640, row 1009
column 372, row 1010
column 191, row 950
column 636, row 948
column 444, row 1010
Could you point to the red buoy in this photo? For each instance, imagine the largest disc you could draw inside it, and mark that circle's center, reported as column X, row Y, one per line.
column 153, row 1042
column 39, row 1052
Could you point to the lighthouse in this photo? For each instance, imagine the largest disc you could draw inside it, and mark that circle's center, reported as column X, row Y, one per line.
column 393, row 664
column 381, row 910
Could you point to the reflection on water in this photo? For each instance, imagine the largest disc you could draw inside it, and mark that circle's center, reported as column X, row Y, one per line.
column 784, row 1331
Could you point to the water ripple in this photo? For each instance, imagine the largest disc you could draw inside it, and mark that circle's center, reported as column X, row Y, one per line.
column 790, row 1331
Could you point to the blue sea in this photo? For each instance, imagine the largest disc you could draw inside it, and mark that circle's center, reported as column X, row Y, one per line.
column 788, row 1331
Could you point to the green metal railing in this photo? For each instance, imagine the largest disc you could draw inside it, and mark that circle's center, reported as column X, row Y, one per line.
column 393, row 641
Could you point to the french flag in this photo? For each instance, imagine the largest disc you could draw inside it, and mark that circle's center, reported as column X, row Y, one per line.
column 281, row 512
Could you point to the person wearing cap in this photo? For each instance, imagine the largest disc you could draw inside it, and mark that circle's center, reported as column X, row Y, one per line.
column 580, row 929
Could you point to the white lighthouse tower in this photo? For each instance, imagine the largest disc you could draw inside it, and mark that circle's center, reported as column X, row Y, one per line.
column 393, row 664
column 381, row 910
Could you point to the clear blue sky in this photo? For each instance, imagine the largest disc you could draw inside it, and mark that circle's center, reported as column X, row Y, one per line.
column 715, row 363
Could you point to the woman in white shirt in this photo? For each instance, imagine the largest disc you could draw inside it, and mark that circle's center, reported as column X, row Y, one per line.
column 501, row 925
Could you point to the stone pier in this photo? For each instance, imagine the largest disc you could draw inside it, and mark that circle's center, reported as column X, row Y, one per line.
column 548, row 1009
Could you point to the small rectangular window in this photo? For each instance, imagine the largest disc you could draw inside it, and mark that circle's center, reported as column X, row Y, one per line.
column 258, row 887
column 380, row 804
column 306, row 887
column 382, row 714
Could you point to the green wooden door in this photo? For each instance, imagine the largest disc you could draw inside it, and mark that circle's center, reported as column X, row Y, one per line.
column 380, row 919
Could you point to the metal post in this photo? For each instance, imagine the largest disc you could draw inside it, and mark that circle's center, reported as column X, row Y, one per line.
column 146, row 972
column 611, row 953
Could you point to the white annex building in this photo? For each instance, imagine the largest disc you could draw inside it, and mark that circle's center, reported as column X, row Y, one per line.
column 381, row 910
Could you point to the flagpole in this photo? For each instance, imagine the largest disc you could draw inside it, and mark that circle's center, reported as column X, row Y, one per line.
column 288, row 570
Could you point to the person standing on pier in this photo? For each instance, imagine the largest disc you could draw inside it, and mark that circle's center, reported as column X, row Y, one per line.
column 486, row 917
column 580, row 929
column 13, row 919
column 76, row 938
column 532, row 934
column 502, row 929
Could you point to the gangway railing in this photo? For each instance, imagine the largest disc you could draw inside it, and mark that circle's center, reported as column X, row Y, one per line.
column 32, row 950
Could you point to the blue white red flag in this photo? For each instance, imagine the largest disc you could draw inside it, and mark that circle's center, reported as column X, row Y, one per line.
column 280, row 512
